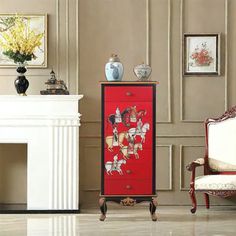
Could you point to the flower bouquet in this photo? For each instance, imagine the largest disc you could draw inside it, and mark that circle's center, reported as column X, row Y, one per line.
column 201, row 56
column 19, row 42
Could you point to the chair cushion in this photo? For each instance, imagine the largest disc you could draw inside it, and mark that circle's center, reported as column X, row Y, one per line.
column 215, row 182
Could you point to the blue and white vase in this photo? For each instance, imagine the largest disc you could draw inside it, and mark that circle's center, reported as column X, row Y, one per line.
column 114, row 69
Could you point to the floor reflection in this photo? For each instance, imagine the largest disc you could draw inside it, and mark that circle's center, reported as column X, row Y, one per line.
column 123, row 221
column 52, row 226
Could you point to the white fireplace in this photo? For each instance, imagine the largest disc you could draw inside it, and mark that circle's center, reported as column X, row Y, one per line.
column 49, row 125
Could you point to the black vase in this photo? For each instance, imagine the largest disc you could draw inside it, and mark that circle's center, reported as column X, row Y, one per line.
column 21, row 83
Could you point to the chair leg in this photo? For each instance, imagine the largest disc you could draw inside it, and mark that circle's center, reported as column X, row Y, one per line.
column 193, row 198
column 207, row 201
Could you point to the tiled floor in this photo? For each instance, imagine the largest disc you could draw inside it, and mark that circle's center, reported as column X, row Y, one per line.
column 124, row 221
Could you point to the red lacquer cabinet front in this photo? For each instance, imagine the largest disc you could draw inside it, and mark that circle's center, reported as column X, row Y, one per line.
column 128, row 141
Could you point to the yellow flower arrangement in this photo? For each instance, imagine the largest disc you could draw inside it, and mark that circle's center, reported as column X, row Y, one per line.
column 19, row 41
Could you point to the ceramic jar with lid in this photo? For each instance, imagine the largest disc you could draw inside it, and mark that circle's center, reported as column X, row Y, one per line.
column 142, row 71
column 114, row 69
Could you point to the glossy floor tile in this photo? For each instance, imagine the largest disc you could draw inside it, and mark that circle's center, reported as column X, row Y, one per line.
column 216, row 221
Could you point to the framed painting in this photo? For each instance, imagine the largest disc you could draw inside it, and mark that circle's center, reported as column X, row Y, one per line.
column 31, row 32
column 201, row 54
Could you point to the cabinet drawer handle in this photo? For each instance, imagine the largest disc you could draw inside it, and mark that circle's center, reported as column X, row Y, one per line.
column 128, row 94
column 128, row 187
column 128, row 171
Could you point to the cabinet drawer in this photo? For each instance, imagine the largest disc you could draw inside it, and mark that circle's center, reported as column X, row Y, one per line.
column 128, row 93
column 132, row 169
column 128, row 187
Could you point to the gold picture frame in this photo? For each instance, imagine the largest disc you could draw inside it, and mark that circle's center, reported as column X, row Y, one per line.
column 36, row 22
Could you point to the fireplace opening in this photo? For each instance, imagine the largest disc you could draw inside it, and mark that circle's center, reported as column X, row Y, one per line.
column 13, row 177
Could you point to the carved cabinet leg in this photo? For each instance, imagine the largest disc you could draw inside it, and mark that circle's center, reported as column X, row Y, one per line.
column 152, row 208
column 103, row 208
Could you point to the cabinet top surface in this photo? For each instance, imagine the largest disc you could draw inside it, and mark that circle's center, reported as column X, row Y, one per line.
column 129, row 82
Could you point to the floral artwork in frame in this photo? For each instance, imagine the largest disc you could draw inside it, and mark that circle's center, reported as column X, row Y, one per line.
column 201, row 54
column 30, row 37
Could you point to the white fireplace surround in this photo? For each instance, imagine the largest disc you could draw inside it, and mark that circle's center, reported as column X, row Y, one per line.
column 49, row 125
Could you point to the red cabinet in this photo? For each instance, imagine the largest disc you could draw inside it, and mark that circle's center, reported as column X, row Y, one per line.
column 128, row 143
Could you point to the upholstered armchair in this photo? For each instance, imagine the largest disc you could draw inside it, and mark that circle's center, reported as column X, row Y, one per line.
column 219, row 163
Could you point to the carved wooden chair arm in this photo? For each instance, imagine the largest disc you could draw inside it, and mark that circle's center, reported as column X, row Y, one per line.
column 192, row 165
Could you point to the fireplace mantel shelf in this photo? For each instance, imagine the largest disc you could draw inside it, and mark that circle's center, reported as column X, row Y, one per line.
column 41, row 97
column 49, row 125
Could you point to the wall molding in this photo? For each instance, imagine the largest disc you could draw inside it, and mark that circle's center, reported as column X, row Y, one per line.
column 182, row 188
column 170, row 150
column 90, row 146
column 169, row 64
column 57, row 37
column 181, row 57
column 182, row 107
column 148, row 32
column 77, row 46
column 226, row 54
column 67, row 44
column 148, row 54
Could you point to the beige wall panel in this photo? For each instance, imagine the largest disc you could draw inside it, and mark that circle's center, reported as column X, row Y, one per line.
column 13, row 168
column 204, row 16
column 62, row 44
column 30, row 7
column 73, row 46
column 164, row 167
column 213, row 96
column 203, row 98
column 67, row 43
column 90, row 168
column 90, row 172
column 159, row 54
column 180, row 129
column 27, row 6
column 52, row 37
column 232, row 52
column 62, row 56
column 187, row 155
column 90, row 129
column 108, row 27
column 89, row 199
